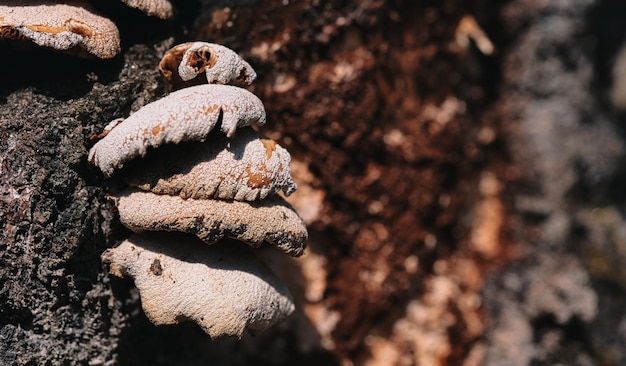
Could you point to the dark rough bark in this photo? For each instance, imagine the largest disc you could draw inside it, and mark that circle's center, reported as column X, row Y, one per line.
column 404, row 131
column 57, row 305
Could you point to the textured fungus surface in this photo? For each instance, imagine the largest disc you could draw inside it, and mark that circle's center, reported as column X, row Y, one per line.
column 158, row 8
column 59, row 26
column 185, row 64
column 184, row 115
column 247, row 167
column 224, row 288
column 271, row 220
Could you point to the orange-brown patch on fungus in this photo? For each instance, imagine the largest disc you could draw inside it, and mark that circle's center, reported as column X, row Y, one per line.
column 202, row 58
column 169, row 68
column 258, row 180
column 270, row 146
column 210, row 109
column 79, row 27
column 156, row 130
column 170, row 61
column 72, row 25
column 46, row 29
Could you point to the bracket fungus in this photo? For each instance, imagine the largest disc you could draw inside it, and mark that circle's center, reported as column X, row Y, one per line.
column 253, row 167
column 271, row 220
column 189, row 176
column 183, row 65
column 185, row 115
column 224, row 289
column 60, row 26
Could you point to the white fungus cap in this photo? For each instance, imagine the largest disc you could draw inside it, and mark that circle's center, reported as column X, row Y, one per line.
column 247, row 167
column 59, row 26
column 185, row 115
column 271, row 220
column 220, row 65
column 223, row 288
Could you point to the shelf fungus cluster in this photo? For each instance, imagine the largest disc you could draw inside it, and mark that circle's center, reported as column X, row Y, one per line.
column 197, row 173
column 73, row 27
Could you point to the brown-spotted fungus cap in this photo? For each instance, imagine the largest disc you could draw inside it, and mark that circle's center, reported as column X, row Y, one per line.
column 270, row 220
column 223, row 288
column 185, row 115
column 60, row 26
column 247, row 167
column 194, row 63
